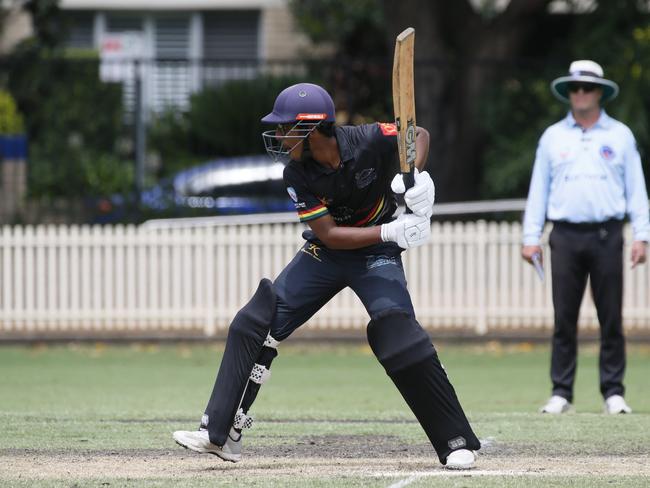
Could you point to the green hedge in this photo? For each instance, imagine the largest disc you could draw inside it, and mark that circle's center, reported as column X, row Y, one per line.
column 74, row 123
column 11, row 121
column 221, row 121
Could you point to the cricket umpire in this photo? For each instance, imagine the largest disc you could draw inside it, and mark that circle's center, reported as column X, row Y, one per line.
column 342, row 181
column 587, row 176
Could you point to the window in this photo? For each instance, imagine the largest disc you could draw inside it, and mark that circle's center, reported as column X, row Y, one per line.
column 172, row 39
column 230, row 35
column 79, row 29
column 123, row 23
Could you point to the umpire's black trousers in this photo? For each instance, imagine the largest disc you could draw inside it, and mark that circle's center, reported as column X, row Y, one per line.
column 578, row 251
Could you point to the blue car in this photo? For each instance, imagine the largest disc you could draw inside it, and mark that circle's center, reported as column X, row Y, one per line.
column 224, row 186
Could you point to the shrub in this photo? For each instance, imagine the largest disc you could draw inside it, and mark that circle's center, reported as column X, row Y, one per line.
column 221, row 121
column 225, row 120
column 74, row 121
column 11, row 121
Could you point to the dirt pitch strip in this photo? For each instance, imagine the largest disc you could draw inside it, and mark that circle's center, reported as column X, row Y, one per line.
column 361, row 457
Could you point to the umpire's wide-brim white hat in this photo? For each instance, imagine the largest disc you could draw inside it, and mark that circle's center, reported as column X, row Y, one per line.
column 584, row 71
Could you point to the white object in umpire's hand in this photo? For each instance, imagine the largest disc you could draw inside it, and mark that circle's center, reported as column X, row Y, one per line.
column 537, row 262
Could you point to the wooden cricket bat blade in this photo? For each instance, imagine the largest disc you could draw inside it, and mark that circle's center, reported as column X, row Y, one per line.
column 404, row 102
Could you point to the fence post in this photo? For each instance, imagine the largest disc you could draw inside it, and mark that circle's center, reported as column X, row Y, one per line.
column 210, row 325
column 481, row 278
column 140, row 135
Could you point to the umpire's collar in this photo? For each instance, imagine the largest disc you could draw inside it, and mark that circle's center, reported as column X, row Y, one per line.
column 604, row 121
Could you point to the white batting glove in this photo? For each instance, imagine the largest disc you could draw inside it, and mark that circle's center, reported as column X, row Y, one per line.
column 420, row 197
column 408, row 230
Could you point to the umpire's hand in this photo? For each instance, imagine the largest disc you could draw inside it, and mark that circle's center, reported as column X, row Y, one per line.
column 527, row 252
column 638, row 254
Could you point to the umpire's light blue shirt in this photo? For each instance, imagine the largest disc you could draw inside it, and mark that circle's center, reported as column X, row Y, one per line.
column 588, row 175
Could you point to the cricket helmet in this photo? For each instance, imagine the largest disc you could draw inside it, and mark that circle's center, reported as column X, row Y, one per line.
column 301, row 102
column 298, row 110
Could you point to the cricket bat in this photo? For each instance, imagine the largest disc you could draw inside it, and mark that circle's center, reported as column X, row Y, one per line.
column 404, row 103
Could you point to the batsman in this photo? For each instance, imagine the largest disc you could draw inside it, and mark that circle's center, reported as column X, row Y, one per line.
column 343, row 181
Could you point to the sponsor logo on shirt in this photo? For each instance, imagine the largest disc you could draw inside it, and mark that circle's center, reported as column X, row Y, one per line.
column 579, row 177
column 341, row 214
column 312, row 250
column 325, row 201
column 381, row 260
column 292, row 194
column 387, row 129
column 364, row 177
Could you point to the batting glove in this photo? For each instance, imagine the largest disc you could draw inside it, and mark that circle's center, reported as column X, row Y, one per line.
column 408, row 230
column 420, row 197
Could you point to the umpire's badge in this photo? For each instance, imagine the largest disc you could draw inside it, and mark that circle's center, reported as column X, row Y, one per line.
column 364, row 177
column 457, row 442
column 312, row 250
column 607, row 153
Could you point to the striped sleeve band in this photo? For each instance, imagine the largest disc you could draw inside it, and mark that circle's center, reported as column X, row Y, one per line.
column 313, row 213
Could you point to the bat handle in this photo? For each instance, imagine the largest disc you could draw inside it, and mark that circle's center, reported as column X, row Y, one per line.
column 409, row 181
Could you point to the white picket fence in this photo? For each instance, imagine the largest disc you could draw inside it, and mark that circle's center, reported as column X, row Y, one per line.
column 116, row 280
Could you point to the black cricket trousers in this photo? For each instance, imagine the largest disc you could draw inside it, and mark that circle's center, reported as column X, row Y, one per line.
column 579, row 251
column 316, row 274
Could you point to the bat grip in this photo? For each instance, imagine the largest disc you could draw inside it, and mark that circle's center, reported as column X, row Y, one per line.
column 409, row 181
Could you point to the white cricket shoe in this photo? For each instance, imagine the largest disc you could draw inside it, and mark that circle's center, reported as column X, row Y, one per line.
column 616, row 404
column 461, row 459
column 199, row 441
column 556, row 405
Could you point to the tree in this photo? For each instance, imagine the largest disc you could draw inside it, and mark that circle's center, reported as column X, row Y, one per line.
column 359, row 75
column 459, row 52
column 617, row 35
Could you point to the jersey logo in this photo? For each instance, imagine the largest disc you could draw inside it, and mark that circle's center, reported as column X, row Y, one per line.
column 292, row 194
column 312, row 250
column 607, row 153
column 364, row 177
column 325, row 201
column 387, row 129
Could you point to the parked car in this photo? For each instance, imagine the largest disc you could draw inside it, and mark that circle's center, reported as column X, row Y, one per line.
column 224, row 186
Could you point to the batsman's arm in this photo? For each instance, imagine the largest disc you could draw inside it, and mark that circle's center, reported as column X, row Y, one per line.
column 339, row 237
column 422, row 139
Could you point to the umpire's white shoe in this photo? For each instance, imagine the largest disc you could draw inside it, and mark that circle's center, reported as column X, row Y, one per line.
column 199, row 441
column 461, row 459
column 556, row 405
column 616, row 404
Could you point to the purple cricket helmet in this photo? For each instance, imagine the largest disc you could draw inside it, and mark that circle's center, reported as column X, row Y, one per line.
column 298, row 110
column 303, row 101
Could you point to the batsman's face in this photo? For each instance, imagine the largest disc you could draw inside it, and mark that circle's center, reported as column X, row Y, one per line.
column 286, row 142
column 291, row 139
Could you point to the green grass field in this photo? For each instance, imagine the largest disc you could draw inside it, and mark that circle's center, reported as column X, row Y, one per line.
column 98, row 415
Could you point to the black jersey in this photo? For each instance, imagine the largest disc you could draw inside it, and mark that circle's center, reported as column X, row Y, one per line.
column 357, row 193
